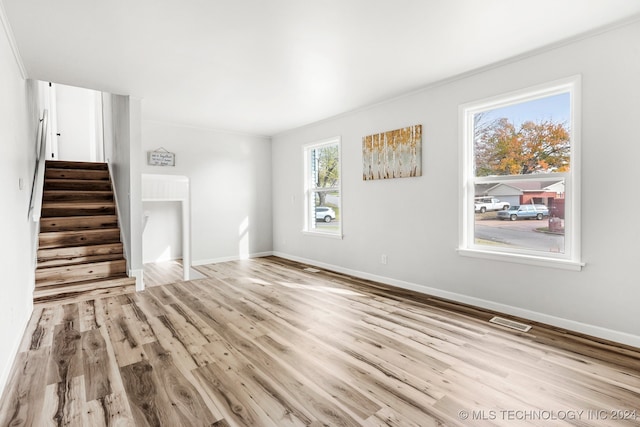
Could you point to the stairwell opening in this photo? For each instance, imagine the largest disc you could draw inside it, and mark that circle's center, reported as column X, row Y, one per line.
column 80, row 253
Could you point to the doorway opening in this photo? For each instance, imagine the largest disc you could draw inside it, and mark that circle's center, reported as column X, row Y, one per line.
column 77, row 124
column 166, row 235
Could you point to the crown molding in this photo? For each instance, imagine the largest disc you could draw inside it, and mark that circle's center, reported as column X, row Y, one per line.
column 12, row 41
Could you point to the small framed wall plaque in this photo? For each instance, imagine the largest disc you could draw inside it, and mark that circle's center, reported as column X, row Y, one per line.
column 161, row 157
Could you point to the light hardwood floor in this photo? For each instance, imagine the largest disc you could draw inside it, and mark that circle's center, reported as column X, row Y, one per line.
column 265, row 343
column 162, row 273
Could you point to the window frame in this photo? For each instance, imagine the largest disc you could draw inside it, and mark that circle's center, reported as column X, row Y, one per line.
column 309, row 190
column 571, row 258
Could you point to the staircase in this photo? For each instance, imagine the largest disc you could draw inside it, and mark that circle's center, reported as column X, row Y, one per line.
column 80, row 255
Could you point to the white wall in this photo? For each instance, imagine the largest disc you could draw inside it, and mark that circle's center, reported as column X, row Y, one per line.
column 230, row 181
column 18, row 127
column 122, row 142
column 162, row 234
column 415, row 220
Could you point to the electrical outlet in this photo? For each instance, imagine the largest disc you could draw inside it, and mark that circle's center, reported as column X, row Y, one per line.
column 383, row 259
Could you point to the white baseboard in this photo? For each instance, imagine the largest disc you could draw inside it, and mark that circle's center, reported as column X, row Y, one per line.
column 230, row 258
column 568, row 324
column 179, row 258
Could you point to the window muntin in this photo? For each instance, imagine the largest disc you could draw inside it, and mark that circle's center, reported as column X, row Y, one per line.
column 521, row 149
column 323, row 188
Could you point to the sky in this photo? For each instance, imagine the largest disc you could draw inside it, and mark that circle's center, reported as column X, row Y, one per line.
column 554, row 108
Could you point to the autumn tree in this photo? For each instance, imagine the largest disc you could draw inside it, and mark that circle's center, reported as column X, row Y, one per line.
column 327, row 171
column 501, row 148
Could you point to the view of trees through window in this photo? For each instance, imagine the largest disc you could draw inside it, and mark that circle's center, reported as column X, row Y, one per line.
column 501, row 148
column 522, row 155
column 324, row 188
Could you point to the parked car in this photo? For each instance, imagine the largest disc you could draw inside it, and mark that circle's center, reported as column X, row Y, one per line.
column 524, row 212
column 325, row 214
column 484, row 204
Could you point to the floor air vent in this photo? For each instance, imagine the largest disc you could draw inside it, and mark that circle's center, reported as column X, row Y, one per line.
column 311, row 270
column 510, row 324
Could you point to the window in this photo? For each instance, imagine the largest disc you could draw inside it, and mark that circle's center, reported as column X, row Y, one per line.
column 322, row 188
column 520, row 176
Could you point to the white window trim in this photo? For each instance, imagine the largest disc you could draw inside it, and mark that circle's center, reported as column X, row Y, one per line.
column 571, row 259
column 308, row 230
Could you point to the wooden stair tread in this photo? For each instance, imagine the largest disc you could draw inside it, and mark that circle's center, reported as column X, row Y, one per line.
column 71, row 255
column 58, row 209
column 78, row 232
column 78, row 272
column 115, row 280
column 76, row 195
column 77, row 192
column 78, row 169
column 58, row 239
column 63, row 164
column 88, row 289
column 62, row 204
column 78, row 251
column 72, row 191
column 81, row 174
column 57, row 262
column 79, row 184
column 77, row 223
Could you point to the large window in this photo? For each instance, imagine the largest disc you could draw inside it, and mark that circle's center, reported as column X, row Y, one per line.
column 322, row 188
column 520, row 176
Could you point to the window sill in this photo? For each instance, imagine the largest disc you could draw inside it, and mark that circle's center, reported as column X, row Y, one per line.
column 523, row 259
column 321, row 234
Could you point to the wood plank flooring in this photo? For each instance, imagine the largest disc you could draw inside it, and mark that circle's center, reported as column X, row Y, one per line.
column 265, row 343
column 162, row 273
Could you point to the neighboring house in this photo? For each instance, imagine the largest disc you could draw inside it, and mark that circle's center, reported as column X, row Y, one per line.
column 527, row 192
column 503, row 192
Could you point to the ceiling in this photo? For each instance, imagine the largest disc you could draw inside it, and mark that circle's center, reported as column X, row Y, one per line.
column 266, row 66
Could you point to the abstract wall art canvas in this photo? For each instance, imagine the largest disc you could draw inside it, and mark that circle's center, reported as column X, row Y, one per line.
column 392, row 154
